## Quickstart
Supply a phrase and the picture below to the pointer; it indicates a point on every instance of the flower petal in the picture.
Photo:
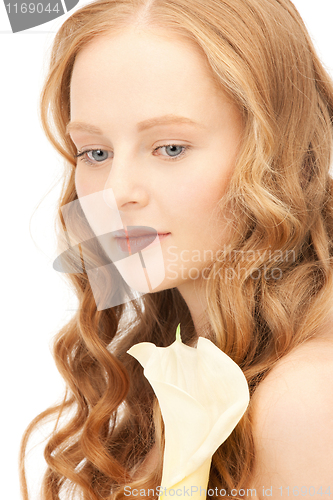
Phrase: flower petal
(143, 352)
(202, 394)
(186, 426)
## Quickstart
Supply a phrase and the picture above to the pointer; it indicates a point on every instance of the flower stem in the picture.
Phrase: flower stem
(178, 337)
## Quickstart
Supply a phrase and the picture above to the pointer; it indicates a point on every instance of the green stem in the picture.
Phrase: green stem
(178, 337)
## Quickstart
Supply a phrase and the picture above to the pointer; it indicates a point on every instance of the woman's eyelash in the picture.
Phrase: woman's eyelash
(185, 148)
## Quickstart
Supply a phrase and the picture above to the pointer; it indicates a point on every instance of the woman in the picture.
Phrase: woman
(239, 182)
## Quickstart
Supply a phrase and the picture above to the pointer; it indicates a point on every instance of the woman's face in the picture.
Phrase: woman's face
(166, 141)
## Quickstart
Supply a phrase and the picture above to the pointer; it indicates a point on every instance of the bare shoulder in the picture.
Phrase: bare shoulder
(293, 423)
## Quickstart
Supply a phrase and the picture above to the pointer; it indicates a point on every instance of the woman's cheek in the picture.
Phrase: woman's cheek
(84, 182)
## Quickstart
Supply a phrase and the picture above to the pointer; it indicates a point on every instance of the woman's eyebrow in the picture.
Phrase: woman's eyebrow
(167, 120)
(141, 126)
(85, 127)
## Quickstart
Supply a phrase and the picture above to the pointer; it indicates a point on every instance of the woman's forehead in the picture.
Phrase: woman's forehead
(137, 68)
(159, 46)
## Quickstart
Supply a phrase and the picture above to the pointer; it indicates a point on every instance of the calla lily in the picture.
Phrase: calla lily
(202, 394)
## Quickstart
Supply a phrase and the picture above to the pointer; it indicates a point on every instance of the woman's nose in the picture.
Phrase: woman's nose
(126, 181)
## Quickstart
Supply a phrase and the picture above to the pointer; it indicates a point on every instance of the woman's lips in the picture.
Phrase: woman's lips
(135, 244)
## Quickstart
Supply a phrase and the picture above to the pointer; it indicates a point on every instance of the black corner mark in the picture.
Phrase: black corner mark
(70, 4)
(24, 15)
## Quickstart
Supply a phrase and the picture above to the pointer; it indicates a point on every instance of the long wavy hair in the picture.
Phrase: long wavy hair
(280, 211)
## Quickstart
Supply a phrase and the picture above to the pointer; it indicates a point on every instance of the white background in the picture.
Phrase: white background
(35, 300)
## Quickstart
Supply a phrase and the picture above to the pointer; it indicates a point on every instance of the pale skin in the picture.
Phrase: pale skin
(119, 82)
(154, 78)
(293, 426)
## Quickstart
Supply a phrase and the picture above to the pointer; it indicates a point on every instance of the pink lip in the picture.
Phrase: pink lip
(133, 232)
(135, 244)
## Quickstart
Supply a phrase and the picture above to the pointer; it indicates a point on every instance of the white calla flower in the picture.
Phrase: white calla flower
(202, 395)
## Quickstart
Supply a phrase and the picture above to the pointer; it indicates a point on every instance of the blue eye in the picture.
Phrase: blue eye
(97, 154)
(94, 155)
(174, 151)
